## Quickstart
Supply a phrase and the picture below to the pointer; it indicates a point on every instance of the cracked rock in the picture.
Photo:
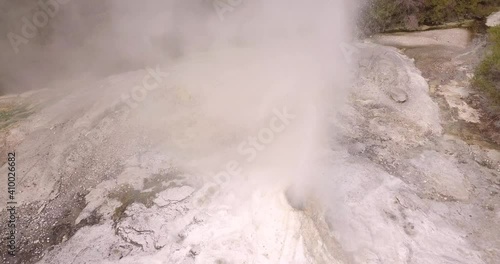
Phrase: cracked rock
(194, 251)
(173, 195)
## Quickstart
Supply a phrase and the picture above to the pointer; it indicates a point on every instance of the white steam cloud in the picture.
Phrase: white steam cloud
(239, 60)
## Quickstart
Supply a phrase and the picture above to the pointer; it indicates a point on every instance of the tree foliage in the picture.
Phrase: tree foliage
(381, 15)
(487, 76)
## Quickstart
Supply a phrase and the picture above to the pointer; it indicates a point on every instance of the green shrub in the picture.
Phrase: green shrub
(440, 11)
(487, 77)
(381, 15)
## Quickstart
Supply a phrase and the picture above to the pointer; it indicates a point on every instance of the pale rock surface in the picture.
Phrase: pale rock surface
(393, 188)
(493, 20)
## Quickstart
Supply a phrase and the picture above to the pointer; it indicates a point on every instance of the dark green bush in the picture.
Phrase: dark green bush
(487, 77)
(440, 11)
(382, 15)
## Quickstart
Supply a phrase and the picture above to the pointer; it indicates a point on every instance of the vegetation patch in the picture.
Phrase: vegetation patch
(487, 76)
(11, 113)
(388, 15)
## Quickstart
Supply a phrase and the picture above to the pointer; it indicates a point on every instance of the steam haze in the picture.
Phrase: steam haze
(239, 63)
(247, 131)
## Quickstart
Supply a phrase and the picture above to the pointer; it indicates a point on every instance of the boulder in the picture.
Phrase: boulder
(493, 20)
